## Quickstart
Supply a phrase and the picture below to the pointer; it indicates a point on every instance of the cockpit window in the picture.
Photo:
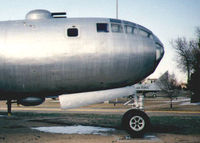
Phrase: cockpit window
(72, 32)
(144, 33)
(151, 36)
(102, 27)
(129, 29)
(117, 28)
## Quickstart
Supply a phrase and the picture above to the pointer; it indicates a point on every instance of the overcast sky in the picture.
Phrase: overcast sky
(168, 19)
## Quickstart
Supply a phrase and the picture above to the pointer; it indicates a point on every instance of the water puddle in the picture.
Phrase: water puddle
(151, 137)
(76, 130)
(89, 130)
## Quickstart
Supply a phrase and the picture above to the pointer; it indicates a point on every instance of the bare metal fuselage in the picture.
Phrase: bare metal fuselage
(37, 58)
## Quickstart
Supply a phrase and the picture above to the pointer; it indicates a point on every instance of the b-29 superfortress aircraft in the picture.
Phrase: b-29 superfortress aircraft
(81, 60)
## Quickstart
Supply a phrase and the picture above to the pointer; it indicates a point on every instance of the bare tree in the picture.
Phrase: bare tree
(187, 53)
(195, 76)
(198, 34)
(183, 49)
(168, 84)
(196, 52)
(188, 59)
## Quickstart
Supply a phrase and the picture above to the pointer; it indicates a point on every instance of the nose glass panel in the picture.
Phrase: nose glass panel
(159, 53)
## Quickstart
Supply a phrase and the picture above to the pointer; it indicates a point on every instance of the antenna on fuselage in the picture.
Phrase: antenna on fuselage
(116, 9)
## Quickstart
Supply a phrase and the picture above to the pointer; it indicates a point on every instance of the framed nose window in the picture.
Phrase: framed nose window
(72, 32)
(102, 27)
(117, 28)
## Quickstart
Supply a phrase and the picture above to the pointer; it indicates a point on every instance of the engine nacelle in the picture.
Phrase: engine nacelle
(31, 101)
(68, 101)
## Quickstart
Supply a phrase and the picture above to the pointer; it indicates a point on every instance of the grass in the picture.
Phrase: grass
(176, 124)
(160, 124)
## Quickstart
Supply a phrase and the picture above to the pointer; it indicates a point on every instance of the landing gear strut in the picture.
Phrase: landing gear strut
(9, 103)
(135, 122)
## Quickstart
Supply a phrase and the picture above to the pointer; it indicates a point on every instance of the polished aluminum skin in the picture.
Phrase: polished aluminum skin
(37, 58)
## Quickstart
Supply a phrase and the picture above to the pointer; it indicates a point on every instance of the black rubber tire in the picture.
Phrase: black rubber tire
(134, 113)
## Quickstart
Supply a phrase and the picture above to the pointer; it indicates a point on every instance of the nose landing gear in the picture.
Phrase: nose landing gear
(135, 122)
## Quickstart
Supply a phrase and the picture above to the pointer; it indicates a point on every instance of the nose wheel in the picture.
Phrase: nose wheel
(136, 122)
